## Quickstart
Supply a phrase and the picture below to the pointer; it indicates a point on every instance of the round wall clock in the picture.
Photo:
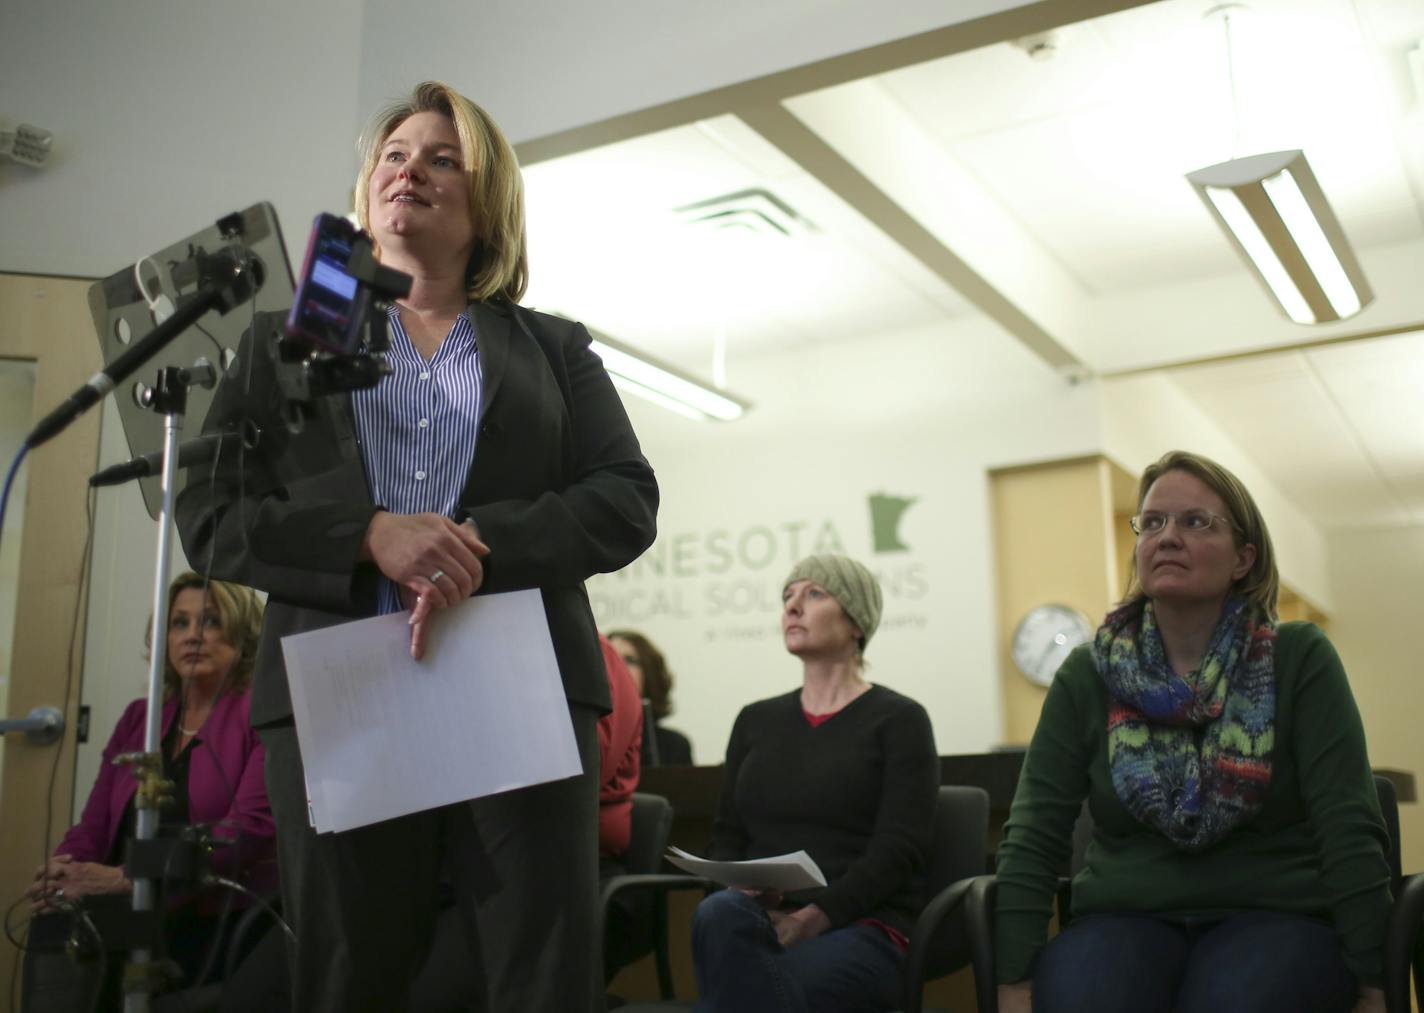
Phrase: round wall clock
(1045, 636)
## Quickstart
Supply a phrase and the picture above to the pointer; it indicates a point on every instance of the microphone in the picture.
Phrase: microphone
(229, 278)
(199, 450)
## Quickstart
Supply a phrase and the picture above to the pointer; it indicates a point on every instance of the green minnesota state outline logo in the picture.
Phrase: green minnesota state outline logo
(886, 512)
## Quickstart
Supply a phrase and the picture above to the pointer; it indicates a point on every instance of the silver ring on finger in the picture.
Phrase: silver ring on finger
(435, 577)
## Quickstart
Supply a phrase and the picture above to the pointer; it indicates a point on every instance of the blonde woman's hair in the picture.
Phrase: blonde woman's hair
(1261, 584)
(239, 617)
(499, 263)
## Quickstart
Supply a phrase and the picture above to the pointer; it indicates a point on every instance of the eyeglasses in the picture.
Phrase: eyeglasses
(1191, 522)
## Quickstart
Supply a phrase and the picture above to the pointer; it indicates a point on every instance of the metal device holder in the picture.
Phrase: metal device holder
(307, 373)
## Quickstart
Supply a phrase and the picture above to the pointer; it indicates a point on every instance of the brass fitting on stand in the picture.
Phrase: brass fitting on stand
(154, 791)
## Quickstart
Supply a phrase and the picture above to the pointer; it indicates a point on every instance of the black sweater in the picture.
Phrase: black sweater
(857, 793)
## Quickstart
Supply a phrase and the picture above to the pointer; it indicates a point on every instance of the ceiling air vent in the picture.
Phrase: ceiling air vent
(757, 211)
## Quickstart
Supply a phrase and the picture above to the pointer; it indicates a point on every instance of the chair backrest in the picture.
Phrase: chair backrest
(652, 822)
(959, 839)
(651, 755)
(958, 850)
(1389, 808)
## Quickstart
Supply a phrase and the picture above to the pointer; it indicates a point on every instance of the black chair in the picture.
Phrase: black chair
(957, 847)
(651, 756)
(959, 842)
(652, 821)
(642, 913)
(1404, 942)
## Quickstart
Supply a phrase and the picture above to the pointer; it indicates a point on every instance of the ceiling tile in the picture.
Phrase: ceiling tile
(606, 245)
(1379, 385)
(1089, 149)
(1277, 411)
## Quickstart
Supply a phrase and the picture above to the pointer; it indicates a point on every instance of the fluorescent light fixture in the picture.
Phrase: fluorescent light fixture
(638, 373)
(1304, 226)
(1275, 212)
(656, 397)
(1260, 254)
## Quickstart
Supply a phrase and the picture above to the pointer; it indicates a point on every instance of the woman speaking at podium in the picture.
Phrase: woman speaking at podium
(496, 456)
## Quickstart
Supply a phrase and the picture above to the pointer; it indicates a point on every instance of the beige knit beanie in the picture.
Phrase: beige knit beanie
(850, 583)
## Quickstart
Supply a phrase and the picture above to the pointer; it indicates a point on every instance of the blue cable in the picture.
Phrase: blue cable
(10, 481)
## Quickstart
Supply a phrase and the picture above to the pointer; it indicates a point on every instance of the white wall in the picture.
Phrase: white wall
(1378, 578)
(169, 114)
(923, 415)
(541, 66)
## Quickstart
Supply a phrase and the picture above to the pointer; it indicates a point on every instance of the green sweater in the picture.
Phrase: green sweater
(1316, 847)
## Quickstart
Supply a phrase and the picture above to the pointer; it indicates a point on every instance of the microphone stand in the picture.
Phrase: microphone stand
(227, 278)
(168, 397)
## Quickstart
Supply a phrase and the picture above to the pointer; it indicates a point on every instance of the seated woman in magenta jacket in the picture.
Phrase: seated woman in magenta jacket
(210, 753)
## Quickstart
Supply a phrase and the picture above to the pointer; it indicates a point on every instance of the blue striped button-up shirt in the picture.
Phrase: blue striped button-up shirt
(417, 428)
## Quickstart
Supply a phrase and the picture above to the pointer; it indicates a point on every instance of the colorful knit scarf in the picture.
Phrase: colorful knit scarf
(1190, 755)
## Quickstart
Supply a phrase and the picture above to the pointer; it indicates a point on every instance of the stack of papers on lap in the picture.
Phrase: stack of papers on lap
(787, 873)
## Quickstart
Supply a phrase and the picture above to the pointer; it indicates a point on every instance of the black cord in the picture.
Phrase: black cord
(103, 970)
(216, 344)
(211, 958)
(80, 594)
(19, 944)
(15, 979)
(81, 916)
(20, 948)
(261, 902)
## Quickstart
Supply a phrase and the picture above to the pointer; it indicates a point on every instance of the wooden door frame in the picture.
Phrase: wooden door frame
(46, 321)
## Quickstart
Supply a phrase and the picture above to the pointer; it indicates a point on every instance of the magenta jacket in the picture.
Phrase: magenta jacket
(225, 790)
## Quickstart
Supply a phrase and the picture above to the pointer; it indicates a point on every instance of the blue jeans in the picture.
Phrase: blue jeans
(741, 968)
(1256, 962)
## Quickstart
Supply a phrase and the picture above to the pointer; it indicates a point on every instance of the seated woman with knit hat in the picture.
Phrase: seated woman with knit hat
(1238, 853)
(845, 770)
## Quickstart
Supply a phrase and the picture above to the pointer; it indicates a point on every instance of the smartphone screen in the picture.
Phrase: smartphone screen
(330, 306)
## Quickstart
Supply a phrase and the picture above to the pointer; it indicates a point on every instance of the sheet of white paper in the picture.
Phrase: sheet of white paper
(383, 735)
(796, 871)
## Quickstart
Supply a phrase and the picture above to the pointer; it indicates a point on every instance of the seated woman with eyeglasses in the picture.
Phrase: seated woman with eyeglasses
(1238, 853)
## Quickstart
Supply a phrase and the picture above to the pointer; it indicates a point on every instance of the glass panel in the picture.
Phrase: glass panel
(17, 397)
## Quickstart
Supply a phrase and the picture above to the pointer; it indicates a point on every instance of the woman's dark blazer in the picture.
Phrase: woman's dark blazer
(559, 490)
